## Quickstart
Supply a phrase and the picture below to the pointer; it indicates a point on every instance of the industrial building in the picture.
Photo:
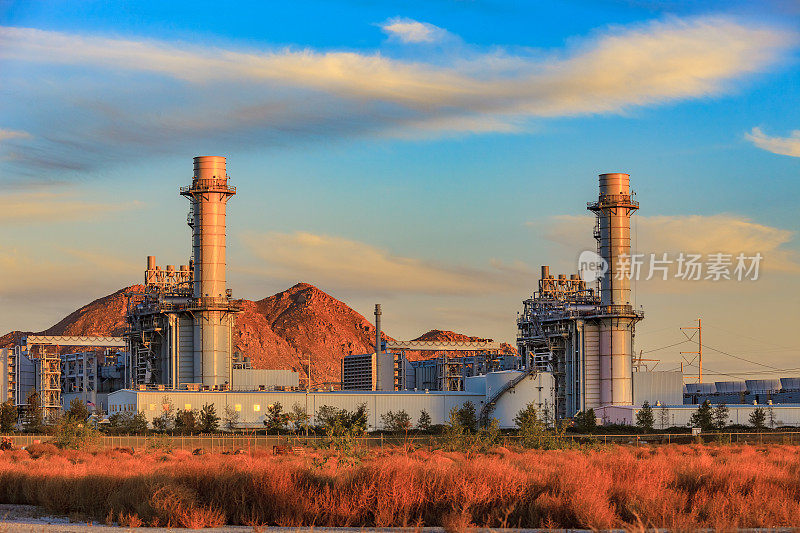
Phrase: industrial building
(252, 406)
(180, 327)
(583, 336)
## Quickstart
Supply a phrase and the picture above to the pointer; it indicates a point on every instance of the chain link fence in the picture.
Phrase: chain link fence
(224, 442)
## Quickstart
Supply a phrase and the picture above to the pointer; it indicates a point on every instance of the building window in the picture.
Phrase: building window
(256, 407)
(187, 406)
(152, 407)
(237, 408)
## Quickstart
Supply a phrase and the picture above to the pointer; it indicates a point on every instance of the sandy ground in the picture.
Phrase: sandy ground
(29, 518)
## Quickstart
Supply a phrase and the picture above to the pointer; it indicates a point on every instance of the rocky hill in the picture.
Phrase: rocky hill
(439, 335)
(297, 324)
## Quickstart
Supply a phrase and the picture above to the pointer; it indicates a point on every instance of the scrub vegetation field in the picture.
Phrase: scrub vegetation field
(677, 487)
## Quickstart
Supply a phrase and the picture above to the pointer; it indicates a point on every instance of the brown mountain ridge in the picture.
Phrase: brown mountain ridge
(301, 322)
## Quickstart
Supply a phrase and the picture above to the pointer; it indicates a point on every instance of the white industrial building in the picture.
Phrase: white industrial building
(680, 415)
(252, 406)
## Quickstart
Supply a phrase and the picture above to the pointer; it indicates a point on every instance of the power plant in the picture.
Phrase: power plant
(582, 335)
(575, 344)
(180, 328)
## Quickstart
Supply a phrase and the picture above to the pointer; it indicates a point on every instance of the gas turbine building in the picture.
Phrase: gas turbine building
(180, 327)
(584, 335)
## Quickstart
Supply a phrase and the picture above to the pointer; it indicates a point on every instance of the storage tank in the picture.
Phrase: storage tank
(497, 380)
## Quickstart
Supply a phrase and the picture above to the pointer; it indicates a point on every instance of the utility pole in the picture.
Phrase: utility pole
(698, 355)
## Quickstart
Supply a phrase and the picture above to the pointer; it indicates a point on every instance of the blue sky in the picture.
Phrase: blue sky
(428, 155)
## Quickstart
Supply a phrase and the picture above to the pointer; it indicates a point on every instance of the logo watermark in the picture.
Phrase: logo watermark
(684, 266)
(591, 266)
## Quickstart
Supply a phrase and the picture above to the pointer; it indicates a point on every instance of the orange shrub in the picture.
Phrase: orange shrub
(675, 487)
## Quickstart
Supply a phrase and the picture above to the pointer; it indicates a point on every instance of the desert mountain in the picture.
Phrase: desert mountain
(297, 324)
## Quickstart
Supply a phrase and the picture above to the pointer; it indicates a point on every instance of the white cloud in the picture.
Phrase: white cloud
(410, 31)
(13, 134)
(653, 63)
(343, 264)
(274, 96)
(777, 145)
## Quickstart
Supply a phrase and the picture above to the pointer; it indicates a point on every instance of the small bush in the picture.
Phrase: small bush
(38, 450)
(74, 434)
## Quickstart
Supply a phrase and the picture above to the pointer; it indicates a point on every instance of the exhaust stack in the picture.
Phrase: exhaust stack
(209, 194)
(613, 209)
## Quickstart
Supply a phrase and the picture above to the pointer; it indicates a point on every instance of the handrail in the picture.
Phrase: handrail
(489, 405)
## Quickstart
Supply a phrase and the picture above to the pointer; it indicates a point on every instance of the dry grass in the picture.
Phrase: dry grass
(677, 487)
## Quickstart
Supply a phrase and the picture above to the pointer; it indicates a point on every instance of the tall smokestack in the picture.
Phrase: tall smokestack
(378, 381)
(613, 209)
(209, 194)
(378, 329)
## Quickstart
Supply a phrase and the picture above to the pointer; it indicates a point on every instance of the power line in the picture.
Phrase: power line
(665, 347)
(796, 348)
(742, 358)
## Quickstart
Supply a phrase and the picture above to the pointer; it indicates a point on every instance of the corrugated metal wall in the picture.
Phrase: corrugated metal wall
(186, 349)
(654, 387)
(252, 406)
(251, 380)
(591, 376)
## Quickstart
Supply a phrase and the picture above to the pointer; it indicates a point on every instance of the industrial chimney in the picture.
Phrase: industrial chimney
(209, 194)
(613, 209)
(377, 385)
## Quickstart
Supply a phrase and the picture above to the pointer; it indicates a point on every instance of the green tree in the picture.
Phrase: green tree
(703, 418)
(758, 418)
(467, 417)
(8, 417)
(299, 418)
(645, 418)
(230, 419)
(396, 422)
(34, 414)
(208, 420)
(276, 420)
(533, 431)
(663, 417)
(720, 416)
(127, 423)
(586, 421)
(74, 434)
(77, 411)
(771, 416)
(186, 422)
(166, 421)
(341, 422)
(424, 422)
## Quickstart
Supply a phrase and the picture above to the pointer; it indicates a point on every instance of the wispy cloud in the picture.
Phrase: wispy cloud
(46, 207)
(709, 234)
(354, 266)
(168, 96)
(411, 31)
(13, 134)
(777, 145)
